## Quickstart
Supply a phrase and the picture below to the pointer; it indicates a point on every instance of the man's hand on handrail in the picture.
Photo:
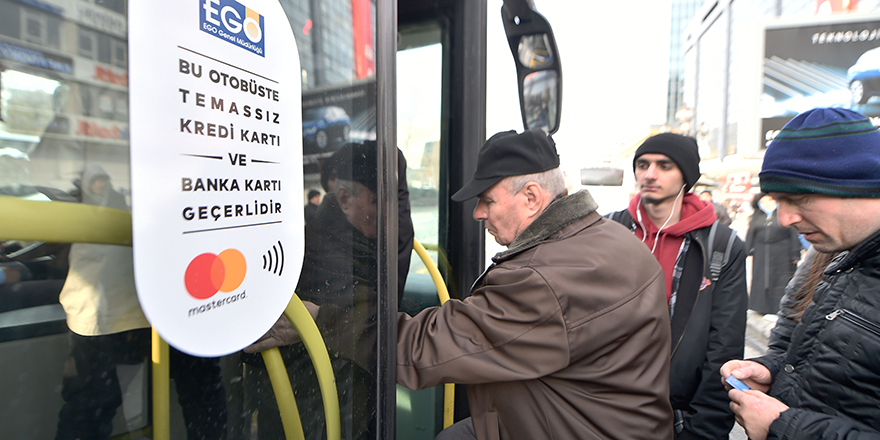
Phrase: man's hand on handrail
(281, 333)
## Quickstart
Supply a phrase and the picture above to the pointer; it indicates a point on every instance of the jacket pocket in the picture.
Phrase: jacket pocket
(846, 367)
(848, 354)
(855, 320)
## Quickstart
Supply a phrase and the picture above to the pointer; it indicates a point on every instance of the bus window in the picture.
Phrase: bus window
(336, 44)
(69, 309)
(419, 69)
(419, 91)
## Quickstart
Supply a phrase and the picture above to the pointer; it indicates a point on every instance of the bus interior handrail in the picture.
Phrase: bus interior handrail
(443, 294)
(67, 222)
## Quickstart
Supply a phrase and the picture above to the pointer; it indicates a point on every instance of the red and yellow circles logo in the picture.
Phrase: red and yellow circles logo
(208, 273)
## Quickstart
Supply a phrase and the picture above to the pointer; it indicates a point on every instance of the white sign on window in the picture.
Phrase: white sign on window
(216, 169)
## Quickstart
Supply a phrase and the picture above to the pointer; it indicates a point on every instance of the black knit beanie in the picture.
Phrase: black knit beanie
(682, 150)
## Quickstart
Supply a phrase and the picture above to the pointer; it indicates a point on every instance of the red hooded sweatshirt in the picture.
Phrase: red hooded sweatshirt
(695, 214)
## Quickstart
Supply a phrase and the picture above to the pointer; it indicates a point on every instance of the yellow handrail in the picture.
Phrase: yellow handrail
(443, 294)
(303, 323)
(293, 429)
(161, 392)
(64, 222)
(442, 261)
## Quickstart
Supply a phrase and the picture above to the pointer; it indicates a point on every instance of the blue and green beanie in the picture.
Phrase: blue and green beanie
(832, 151)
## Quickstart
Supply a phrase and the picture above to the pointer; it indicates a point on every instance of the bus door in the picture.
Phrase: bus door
(74, 344)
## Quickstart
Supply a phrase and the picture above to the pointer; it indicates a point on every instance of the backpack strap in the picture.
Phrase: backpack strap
(718, 250)
(623, 217)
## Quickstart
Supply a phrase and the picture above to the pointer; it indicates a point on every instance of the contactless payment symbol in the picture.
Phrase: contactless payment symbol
(274, 265)
(208, 274)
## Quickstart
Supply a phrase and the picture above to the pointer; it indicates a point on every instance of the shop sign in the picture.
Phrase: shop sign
(89, 128)
(738, 183)
(102, 18)
(31, 57)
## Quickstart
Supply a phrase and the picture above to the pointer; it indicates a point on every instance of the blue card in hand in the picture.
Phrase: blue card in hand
(736, 383)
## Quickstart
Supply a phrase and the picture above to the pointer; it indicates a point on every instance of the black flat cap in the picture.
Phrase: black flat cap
(510, 154)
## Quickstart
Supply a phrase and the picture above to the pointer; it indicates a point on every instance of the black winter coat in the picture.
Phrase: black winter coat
(708, 329)
(775, 251)
(827, 368)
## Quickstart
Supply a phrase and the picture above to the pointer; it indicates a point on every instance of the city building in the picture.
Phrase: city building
(751, 65)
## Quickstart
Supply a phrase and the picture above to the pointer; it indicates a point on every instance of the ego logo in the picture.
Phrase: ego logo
(231, 21)
(208, 273)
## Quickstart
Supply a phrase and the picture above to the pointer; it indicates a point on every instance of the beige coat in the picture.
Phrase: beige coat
(566, 336)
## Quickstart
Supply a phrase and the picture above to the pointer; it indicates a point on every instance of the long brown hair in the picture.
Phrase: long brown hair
(804, 294)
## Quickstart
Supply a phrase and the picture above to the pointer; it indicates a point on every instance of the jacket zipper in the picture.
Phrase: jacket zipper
(854, 319)
(797, 335)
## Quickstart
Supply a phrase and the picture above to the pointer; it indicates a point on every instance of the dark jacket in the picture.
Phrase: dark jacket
(561, 338)
(827, 368)
(775, 251)
(311, 210)
(340, 274)
(722, 214)
(708, 329)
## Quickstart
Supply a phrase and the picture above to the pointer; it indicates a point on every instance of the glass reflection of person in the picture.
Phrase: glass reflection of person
(108, 328)
(311, 208)
(339, 274)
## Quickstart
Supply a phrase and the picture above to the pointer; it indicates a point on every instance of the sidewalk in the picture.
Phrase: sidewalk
(757, 333)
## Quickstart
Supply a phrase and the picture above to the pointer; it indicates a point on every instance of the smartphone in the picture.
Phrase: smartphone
(736, 383)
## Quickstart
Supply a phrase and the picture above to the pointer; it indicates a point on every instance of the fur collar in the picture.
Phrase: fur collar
(559, 214)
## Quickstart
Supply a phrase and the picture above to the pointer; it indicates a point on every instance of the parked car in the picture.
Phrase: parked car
(864, 76)
(322, 124)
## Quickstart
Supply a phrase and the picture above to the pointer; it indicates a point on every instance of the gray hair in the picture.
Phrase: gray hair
(552, 181)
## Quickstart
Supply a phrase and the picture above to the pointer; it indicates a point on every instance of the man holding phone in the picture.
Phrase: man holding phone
(823, 169)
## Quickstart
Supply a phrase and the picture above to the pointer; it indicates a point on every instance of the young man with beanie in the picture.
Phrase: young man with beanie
(823, 169)
(705, 277)
(559, 338)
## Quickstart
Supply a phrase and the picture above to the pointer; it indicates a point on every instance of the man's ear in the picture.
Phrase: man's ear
(343, 196)
(534, 196)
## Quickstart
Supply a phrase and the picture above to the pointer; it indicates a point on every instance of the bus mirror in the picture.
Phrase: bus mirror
(534, 51)
(539, 98)
(604, 176)
(539, 75)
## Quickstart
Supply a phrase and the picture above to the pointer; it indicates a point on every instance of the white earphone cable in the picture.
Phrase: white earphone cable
(671, 213)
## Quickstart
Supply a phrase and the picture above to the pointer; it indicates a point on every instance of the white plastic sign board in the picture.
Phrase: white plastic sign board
(216, 169)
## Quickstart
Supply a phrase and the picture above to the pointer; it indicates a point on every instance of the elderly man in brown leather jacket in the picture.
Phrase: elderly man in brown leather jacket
(566, 334)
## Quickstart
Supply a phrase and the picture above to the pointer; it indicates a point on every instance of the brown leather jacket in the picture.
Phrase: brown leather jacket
(565, 336)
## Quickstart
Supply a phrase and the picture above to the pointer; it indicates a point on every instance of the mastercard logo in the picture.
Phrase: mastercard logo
(208, 274)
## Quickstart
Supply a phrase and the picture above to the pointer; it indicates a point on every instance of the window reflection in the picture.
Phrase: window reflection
(63, 122)
(339, 271)
(419, 86)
